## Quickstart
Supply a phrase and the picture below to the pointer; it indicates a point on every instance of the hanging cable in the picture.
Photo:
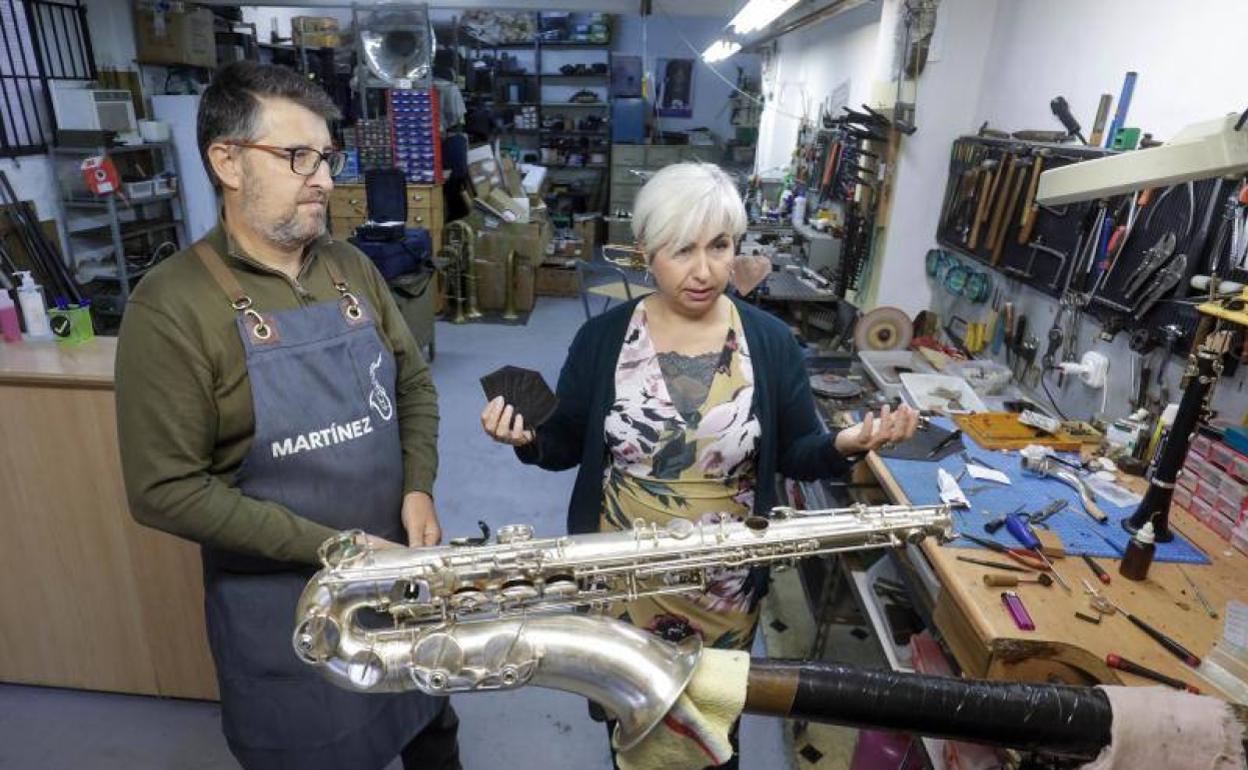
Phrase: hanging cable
(1044, 384)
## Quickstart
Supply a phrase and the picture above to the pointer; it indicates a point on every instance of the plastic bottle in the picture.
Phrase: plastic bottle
(10, 328)
(1139, 555)
(30, 297)
(799, 210)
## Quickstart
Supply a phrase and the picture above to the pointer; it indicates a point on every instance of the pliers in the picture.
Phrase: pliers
(1022, 556)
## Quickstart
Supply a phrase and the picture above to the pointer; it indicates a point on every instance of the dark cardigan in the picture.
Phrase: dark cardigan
(793, 441)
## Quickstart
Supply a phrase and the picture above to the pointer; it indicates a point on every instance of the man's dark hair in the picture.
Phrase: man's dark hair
(230, 107)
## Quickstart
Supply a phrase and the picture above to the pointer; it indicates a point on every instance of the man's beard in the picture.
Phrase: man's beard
(294, 228)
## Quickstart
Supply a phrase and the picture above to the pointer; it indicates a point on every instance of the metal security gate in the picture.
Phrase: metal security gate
(40, 41)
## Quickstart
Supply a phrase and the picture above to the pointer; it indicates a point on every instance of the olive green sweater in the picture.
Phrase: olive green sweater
(184, 410)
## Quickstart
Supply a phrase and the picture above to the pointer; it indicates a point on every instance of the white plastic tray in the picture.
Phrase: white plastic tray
(918, 392)
(881, 367)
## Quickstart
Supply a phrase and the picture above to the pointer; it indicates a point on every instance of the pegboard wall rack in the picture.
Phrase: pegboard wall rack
(993, 179)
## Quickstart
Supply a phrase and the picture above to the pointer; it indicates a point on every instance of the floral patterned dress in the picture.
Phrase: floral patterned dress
(683, 438)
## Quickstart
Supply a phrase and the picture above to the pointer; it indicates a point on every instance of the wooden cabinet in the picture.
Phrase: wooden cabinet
(88, 598)
(348, 209)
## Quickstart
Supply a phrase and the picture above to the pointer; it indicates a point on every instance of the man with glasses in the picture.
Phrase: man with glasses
(269, 396)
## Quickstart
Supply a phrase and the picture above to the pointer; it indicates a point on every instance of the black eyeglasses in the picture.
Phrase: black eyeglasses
(304, 161)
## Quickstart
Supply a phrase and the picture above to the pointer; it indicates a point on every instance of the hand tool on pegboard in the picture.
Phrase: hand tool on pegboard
(1061, 109)
(1124, 105)
(1153, 259)
(1098, 125)
(1000, 198)
(1016, 190)
(988, 185)
(1030, 209)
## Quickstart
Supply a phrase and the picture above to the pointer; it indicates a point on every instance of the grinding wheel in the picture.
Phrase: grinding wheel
(834, 386)
(884, 328)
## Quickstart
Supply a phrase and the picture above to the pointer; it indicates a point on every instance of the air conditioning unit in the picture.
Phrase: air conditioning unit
(94, 109)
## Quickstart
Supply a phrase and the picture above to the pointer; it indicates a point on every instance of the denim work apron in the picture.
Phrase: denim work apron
(327, 447)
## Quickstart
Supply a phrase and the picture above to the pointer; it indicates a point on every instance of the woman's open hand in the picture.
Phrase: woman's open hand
(497, 420)
(870, 434)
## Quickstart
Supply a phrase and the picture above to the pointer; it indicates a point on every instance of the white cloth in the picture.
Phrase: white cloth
(1156, 728)
(694, 733)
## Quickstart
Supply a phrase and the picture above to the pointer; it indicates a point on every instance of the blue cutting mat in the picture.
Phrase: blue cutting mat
(917, 478)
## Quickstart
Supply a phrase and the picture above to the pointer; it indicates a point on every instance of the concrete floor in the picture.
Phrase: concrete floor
(53, 729)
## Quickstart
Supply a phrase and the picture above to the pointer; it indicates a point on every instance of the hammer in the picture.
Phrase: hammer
(995, 580)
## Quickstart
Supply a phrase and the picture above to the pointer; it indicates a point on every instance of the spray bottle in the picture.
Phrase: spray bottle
(30, 296)
(10, 329)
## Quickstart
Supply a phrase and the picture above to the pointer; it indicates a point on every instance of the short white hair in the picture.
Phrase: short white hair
(684, 202)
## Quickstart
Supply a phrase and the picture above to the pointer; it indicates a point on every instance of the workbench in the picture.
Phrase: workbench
(977, 630)
(88, 598)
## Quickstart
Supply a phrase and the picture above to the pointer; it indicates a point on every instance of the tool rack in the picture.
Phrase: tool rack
(1060, 228)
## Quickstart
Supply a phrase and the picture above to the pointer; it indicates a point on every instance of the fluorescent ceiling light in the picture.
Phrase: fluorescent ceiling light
(720, 50)
(758, 14)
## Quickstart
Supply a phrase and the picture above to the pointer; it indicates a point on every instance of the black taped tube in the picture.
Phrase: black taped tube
(1060, 720)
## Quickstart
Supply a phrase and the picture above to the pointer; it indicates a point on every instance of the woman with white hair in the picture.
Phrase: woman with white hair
(686, 404)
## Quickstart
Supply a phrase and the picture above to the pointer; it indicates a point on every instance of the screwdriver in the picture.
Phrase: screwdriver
(1017, 526)
(1173, 647)
(993, 564)
(1101, 574)
(1010, 581)
(1122, 664)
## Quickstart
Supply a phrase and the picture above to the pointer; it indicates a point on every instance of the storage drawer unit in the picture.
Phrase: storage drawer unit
(626, 158)
(348, 209)
(660, 155)
(700, 154)
(628, 155)
(624, 195)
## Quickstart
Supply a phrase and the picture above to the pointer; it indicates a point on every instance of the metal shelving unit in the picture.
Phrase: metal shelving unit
(538, 79)
(117, 231)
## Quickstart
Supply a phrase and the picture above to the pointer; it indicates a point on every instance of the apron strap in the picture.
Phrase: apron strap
(243, 304)
(222, 275)
(351, 307)
(260, 329)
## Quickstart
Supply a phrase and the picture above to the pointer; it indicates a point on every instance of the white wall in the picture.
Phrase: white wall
(1187, 56)
(810, 65)
(949, 90)
(685, 37)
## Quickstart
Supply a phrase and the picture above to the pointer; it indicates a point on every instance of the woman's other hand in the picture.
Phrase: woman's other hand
(497, 421)
(870, 434)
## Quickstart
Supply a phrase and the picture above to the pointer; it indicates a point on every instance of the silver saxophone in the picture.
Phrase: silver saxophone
(459, 618)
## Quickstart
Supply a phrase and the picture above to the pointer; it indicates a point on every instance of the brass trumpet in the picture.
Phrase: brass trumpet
(458, 260)
(624, 255)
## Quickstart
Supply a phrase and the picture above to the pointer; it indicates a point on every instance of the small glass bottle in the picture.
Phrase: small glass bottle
(1139, 555)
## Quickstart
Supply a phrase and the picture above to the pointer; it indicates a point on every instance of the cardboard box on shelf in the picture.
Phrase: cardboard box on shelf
(529, 241)
(174, 37)
(315, 31)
